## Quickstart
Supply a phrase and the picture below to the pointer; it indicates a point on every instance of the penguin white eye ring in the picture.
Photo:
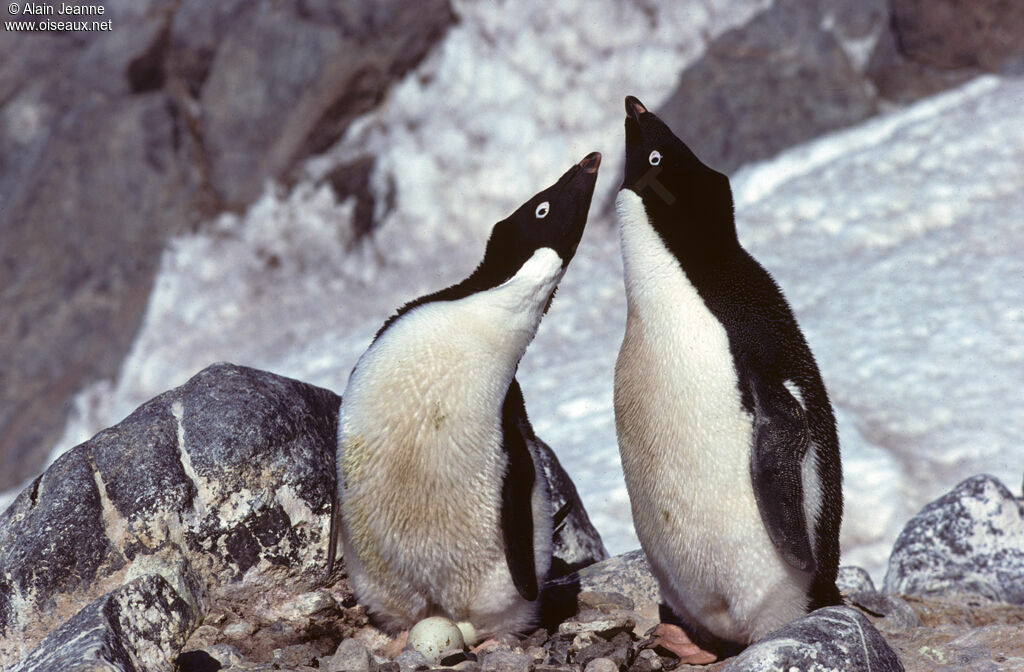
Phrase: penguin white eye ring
(655, 158)
(542, 210)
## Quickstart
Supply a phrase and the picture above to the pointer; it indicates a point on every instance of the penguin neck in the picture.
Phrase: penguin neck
(450, 363)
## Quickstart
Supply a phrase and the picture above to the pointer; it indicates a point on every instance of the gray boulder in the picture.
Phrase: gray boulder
(112, 142)
(791, 73)
(833, 639)
(222, 485)
(139, 627)
(970, 540)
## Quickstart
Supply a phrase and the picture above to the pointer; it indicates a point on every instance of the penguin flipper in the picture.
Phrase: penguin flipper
(781, 439)
(516, 496)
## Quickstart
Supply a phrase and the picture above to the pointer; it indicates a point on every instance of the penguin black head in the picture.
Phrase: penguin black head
(554, 218)
(687, 202)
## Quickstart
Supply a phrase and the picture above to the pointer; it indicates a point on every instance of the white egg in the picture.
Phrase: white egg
(435, 635)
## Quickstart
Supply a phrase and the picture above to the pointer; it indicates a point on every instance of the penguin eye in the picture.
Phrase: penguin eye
(542, 210)
(655, 158)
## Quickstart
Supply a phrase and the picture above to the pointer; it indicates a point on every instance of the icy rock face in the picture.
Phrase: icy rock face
(970, 540)
(833, 639)
(136, 628)
(183, 109)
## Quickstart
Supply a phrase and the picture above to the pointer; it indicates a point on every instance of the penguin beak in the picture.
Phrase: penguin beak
(634, 108)
(590, 163)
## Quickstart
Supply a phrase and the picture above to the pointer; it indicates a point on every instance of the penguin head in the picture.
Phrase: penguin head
(554, 218)
(686, 201)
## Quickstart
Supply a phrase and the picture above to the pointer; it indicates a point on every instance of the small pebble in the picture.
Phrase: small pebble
(601, 665)
(239, 630)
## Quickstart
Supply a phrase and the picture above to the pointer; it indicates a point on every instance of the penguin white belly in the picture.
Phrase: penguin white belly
(685, 441)
(422, 466)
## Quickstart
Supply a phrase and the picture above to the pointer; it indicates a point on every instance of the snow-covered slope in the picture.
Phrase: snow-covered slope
(899, 244)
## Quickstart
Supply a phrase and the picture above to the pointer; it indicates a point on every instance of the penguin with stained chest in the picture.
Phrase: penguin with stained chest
(726, 433)
(444, 509)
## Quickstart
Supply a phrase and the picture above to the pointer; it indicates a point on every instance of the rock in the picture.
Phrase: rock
(791, 73)
(826, 640)
(112, 145)
(605, 602)
(577, 542)
(411, 660)
(969, 540)
(605, 624)
(351, 656)
(627, 575)
(646, 661)
(139, 627)
(506, 661)
(949, 34)
(854, 580)
(223, 486)
(896, 615)
(960, 633)
(601, 665)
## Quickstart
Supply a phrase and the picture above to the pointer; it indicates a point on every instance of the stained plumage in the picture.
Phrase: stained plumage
(444, 507)
(726, 433)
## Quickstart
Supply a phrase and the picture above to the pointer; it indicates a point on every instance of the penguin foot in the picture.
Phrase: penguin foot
(674, 639)
(395, 646)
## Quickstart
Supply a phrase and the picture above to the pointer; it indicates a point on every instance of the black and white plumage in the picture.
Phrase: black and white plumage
(444, 507)
(726, 433)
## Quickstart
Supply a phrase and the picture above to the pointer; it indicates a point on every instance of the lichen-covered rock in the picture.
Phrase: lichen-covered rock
(833, 639)
(577, 542)
(627, 575)
(969, 540)
(139, 627)
(223, 482)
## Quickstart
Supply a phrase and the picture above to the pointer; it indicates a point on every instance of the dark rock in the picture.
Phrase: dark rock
(784, 77)
(618, 650)
(140, 626)
(950, 34)
(114, 142)
(854, 580)
(506, 661)
(830, 639)
(411, 660)
(646, 661)
(969, 540)
(577, 542)
(351, 656)
(894, 612)
(221, 485)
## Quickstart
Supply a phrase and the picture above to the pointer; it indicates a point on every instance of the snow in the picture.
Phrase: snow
(898, 242)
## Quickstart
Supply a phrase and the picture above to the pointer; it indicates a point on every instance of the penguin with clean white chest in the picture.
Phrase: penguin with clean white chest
(726, 433)
(444, 510)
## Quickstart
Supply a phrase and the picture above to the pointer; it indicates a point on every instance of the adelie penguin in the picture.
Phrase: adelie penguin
(444, 509)
(726, 433)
